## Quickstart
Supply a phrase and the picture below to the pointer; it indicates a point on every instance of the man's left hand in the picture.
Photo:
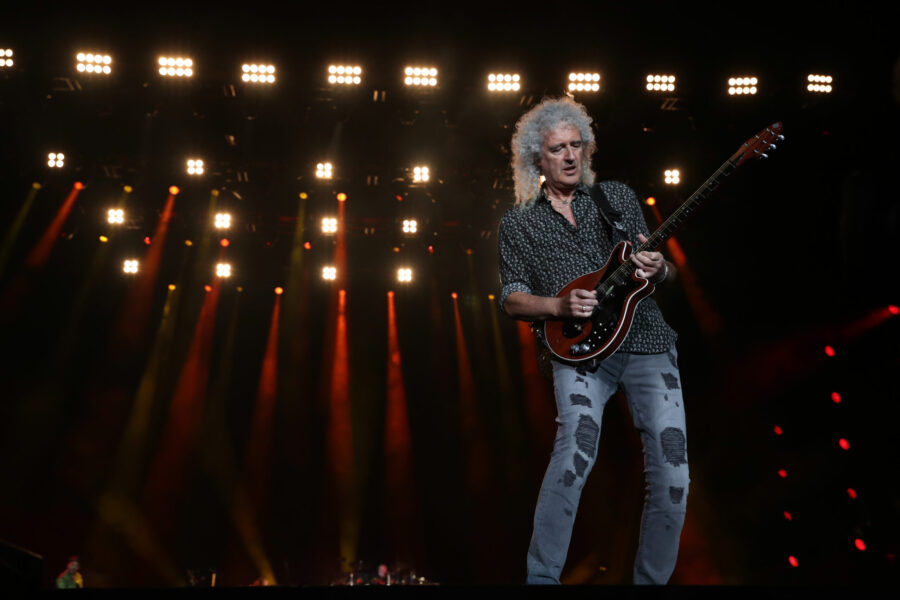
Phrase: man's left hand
(649, 263)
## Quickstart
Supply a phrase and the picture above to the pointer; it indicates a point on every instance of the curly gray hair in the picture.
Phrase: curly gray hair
(528, 140)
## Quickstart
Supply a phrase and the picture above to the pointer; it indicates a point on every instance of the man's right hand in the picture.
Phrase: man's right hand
(577, 304)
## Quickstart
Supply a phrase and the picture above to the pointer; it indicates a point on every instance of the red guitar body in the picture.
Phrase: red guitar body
(600, 335)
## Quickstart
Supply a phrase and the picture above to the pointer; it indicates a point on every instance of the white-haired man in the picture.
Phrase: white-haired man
(555, 233)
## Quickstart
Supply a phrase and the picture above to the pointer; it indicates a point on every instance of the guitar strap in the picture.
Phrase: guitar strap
(608, 214)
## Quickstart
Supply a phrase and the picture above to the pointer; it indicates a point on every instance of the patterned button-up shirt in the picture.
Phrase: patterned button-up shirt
(541, 252)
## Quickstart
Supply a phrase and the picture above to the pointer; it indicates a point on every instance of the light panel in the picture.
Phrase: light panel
(504, 82)
(329, 273)
(660, 83)
(410, 226)
(223, 270)
(223, 221)
(421, 174)
(255, 73)
(584, 82)
(93, 63)
(115, 216)
(175, 66)
(742, 86)
(130, 266)
(324, 170)
(344, 74)
(819, 84)
(329, 225)
(195, 166)
(672, 176)
(421, 76)
(6, 58)
(404, 275)
(56, 160)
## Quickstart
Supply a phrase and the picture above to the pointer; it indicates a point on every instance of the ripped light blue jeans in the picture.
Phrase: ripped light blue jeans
(652, 386)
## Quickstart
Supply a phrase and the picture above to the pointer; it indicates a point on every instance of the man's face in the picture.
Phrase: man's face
(561, 157)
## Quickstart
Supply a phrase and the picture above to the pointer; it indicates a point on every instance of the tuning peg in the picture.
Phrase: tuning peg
(772, 146)
(764, 156)
(780, 138)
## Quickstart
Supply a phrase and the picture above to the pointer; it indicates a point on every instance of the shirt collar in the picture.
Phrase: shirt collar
(580, 192)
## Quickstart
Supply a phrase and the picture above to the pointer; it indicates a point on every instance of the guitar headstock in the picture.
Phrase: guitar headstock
(758, 145)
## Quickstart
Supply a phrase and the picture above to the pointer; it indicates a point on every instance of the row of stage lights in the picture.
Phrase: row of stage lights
(417, 76)
(223, 270)
(420, 174)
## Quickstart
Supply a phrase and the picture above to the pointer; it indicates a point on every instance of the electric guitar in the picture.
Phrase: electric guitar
(619, 288)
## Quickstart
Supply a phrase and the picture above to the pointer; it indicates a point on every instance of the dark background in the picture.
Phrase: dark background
(789, 255)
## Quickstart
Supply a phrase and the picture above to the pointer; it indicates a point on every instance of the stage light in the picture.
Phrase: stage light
(504, 82)
(793, 561)
(860, 545)
(174, 190)
(778, 430)
(345, 74)
(454, 295)
(894, 309)
(307, 246)
(341, 197)
(584, 82)
(421, 174)
(115, 216)
(175, 66)
(258, 73)
(279, 290)
(223, 270)
(207, 287)
(829, 351)
(223, 220)
(844, 444)
(104, 239)
(171, 287)
(224, 242)
(6, 60)
(782, 473)
(195, 166)
(329, 225)
(88, 62)
(404, 275)
(672, 176)
(650, 201)
(56, 160)
(324, 170)
(329, 273)
(130, 266)
(787, 516)
(835, 397)
(742, 86)
(852, 493)
(421, 76)
(660, 83)
(410, 226)
(819, 84)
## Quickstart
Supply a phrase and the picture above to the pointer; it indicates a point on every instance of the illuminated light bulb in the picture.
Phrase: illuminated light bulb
(171, 287)
(894, 310)
(852, 493)
(454, 295)
(829, 351)
(342, 197)
(788, 516)
(778, 430)
(844, 444)
(651, 201)
(224, 242)
(860, 545)
(104, 239)
(207, 287)
(279, 290)
(793, 561)
(782, 473)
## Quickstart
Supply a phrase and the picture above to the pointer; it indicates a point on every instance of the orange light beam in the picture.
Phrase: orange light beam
(183, 422)
(340, 435)
(539, 403)
(400, 480)
(477, 455)
(707, 316)
(257, 462)
(39, 255)
(133, 318)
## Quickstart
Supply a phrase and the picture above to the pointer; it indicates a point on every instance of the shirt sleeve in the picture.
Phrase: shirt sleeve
(514, 276)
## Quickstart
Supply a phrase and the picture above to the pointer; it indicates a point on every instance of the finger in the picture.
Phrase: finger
(641, 238)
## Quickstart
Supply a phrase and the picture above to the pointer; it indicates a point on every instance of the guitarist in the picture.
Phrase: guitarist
(556, 232)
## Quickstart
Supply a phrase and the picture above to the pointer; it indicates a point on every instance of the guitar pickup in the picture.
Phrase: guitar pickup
(580, 349)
